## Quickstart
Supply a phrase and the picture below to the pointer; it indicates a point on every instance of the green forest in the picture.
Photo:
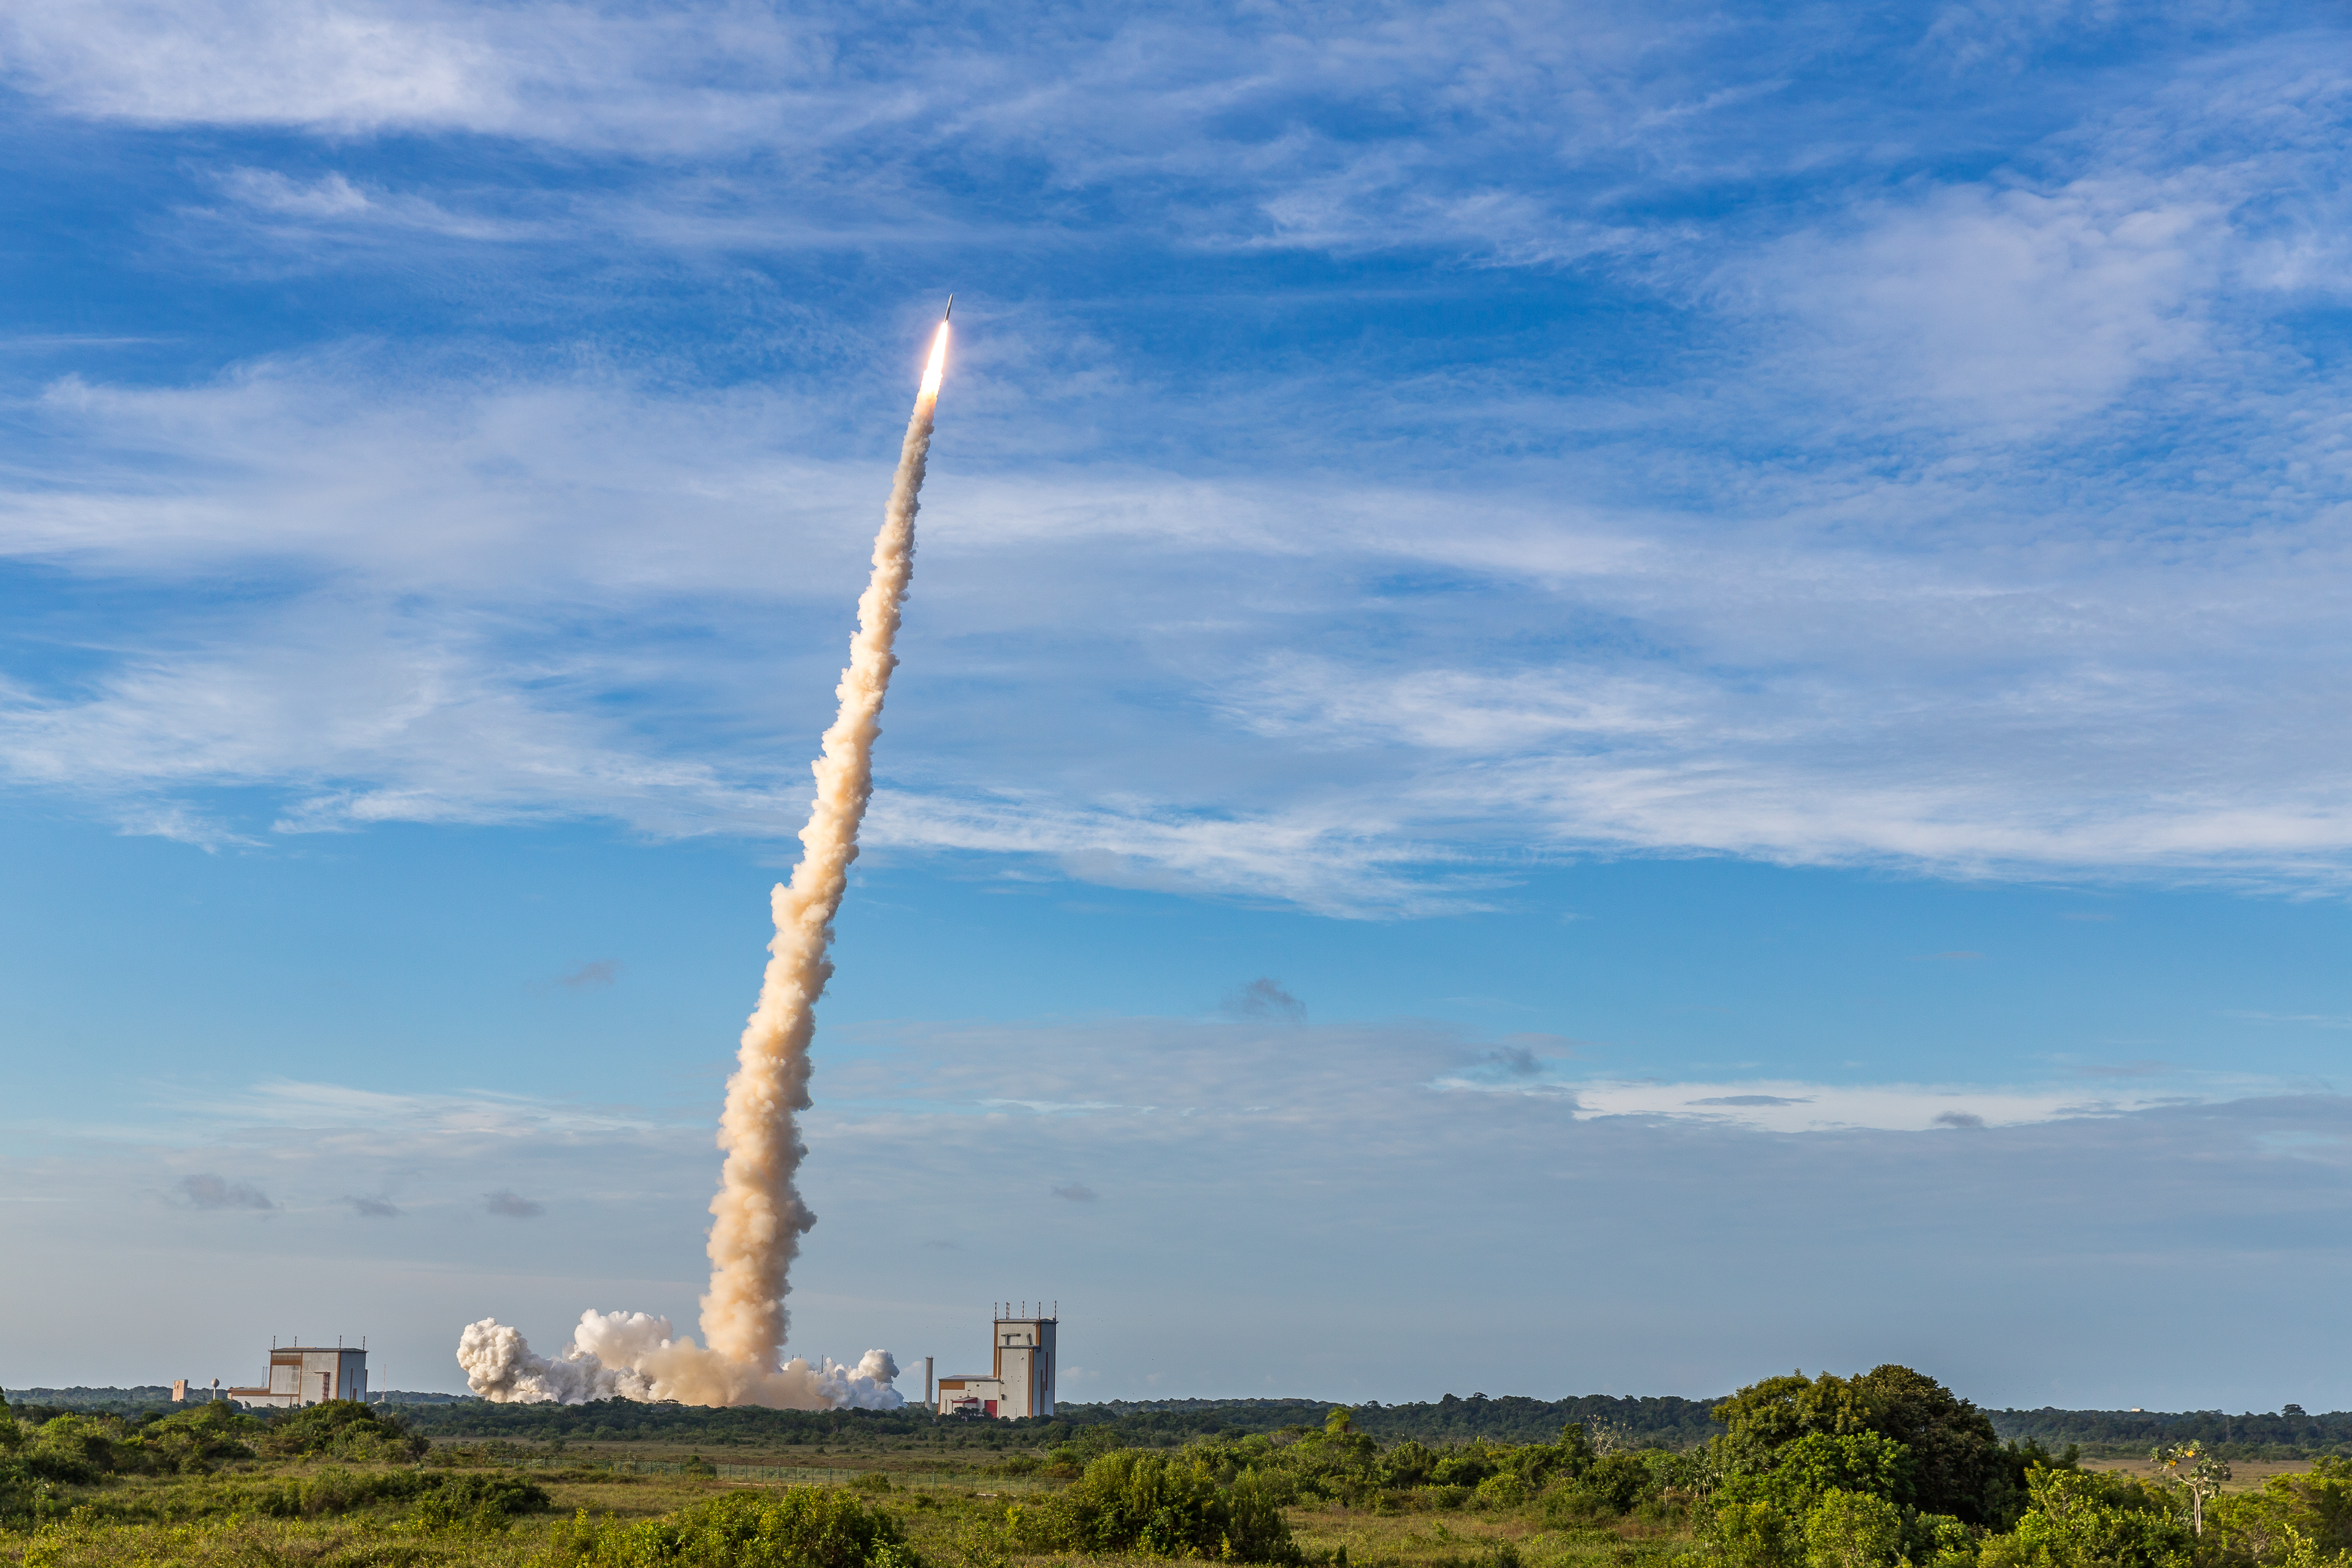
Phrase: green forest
(1657, 1421)
(1883, 1469)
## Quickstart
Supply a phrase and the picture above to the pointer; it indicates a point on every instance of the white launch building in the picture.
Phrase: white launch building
(1020, 1383)
(306, 1374)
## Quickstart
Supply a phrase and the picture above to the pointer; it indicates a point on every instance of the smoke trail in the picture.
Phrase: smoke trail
(758, 1216)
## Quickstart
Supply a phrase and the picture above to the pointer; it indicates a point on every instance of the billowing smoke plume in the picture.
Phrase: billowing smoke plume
(758, 1216)
(629, 1355)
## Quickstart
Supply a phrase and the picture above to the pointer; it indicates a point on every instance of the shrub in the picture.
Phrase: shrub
(1852, 1530)
(1163, 1506)
(1752, 1535)
(507, 1495)
(2082, 1521)
(193, 1442)
(1408, 1464)
(78, 1450)
(342, 1429)
(337, 1491)
(1938, 1540)
(801, 1527)
(1817, 1465)
(1612, 1486)
(1503, 1491)
(1464, 1468)
(21, 1495)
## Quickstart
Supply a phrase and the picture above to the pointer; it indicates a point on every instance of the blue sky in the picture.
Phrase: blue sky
(1599, 698)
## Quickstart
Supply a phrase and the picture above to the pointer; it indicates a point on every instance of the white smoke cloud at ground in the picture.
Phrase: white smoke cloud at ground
(632, 1355)
(759, 1217)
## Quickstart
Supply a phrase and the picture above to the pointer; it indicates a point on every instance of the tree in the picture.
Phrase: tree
(1956, 1466)
(2082, 1521)
(1860, 1464)
(2195, 1473)
(1780, 1410)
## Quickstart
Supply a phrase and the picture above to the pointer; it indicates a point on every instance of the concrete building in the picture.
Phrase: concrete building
(308, 1375)
(1021, 1382)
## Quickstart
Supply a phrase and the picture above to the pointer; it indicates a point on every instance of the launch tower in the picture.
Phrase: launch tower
(1022, 1379)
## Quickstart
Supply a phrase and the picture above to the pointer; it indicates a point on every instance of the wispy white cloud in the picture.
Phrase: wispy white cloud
(1985, 521)
(1800, 1106)
(467, 577)
(2012, 307)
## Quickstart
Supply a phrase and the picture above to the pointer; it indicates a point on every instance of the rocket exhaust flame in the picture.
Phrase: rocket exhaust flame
(758, 1217)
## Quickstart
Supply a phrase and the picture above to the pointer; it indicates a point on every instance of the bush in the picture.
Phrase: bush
(506, 1495)
(1938, 1540)
(2082, 1521)
(1612, 1486)
(801, 1527)
(78, 1450)
(342, 1429)
(21, 1495)
(193, 1442)
(1852, 1530)
(1163, 1506)
(1466, 1468)
(1816, 1465)
(338, 1491)
(1752, 1535)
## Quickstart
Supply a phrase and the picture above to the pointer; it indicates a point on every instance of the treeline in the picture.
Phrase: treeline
(2292, 1435)
(623, 1420)
(1658, 1421)
(112, 1401)
(1643, 1423)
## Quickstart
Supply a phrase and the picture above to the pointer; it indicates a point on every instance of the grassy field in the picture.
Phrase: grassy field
(2245, 1475)
(347, 1495)
(954, 1519)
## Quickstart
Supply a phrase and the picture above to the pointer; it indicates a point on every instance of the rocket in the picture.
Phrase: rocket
(950, 310)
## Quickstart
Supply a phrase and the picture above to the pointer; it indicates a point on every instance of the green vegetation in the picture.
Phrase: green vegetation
(1133, 1502)
(805, 1528)
(1659, 1423)
(1663, 1422)
(1884, 1470)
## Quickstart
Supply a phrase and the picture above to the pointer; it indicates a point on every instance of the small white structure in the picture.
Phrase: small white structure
(308, 1375)
(1021, 1381)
